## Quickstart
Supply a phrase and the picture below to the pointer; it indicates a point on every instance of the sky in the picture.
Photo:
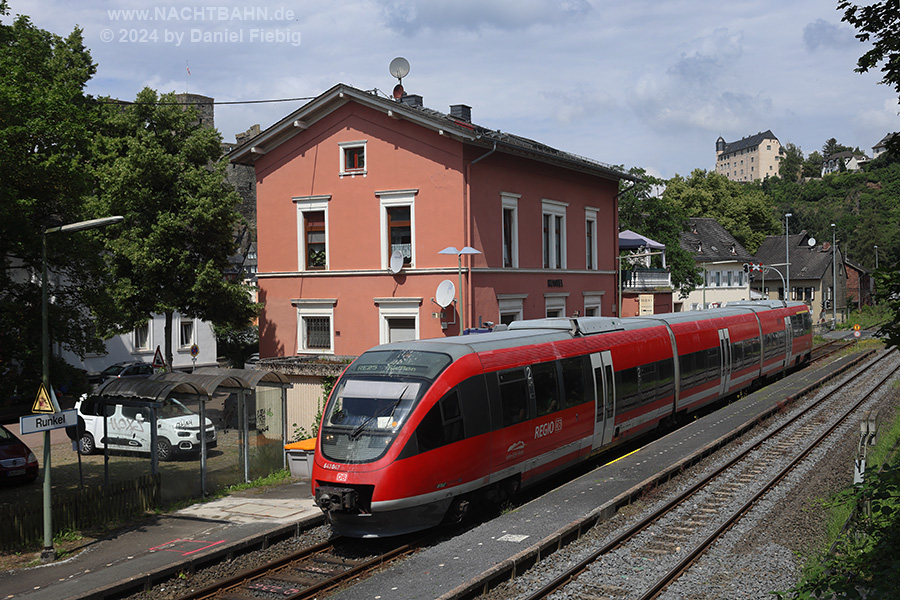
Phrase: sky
(639, 83)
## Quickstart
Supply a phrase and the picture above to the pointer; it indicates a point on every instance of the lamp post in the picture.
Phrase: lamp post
(833, 281)
(787, 260)
(48, 553)
(876, 257)
(459, 255)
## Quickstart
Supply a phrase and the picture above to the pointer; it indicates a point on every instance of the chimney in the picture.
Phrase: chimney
(461, 112)
(412, 100)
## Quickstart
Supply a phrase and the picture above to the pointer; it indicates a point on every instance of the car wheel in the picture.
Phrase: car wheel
(87, 444)
(164, 449)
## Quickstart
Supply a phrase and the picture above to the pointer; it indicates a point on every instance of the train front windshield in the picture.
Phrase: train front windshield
(373, 400)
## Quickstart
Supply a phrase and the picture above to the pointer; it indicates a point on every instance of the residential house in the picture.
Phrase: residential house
(846, 160)
(750, 158)
(881, 147)
(860, 285)
(643, 288)
(814, 269)
(721, 258)
(382, 220)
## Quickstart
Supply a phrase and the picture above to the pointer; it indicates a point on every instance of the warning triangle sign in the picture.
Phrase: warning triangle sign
(158, 361)
(42, 403)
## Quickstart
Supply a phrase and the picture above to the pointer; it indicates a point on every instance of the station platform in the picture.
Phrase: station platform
(512, 541)
(164, 546)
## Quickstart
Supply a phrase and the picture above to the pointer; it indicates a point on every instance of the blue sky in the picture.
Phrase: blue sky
(639, 83)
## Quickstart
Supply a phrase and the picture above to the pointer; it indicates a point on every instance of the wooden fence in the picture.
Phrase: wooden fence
(22, 527)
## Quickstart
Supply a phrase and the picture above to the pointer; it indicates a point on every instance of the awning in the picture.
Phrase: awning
(629, 240)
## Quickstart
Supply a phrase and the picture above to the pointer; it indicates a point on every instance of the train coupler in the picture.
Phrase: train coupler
(336, 498)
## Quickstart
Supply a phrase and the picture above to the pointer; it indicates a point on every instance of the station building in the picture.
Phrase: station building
(380, 220)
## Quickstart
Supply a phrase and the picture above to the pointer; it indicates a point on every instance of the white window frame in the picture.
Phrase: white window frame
(511, 304)
(510, 201)
(554, 209)
(134, 337)
(402, 308)
(593, 300)
(590, 217)
(193, 323)
(313, 308)
(392, 199)
(344, 146)
(555, 301)
(306, 204)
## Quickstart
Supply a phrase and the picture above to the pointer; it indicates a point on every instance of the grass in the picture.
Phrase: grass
(840, 512)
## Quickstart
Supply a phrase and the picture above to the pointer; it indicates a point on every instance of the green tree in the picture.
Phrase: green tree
(812, 166)
(745, 211)
(792, 163)
(157, 165)
(46, 124)
(643, 210)
(831, 146)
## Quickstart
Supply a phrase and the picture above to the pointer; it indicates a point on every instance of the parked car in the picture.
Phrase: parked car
(135, 369)
(17, 461)
(128, 428)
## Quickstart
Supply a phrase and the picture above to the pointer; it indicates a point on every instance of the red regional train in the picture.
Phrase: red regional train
(414, 431)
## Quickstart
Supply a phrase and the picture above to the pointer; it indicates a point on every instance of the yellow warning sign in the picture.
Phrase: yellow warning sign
(42, 403)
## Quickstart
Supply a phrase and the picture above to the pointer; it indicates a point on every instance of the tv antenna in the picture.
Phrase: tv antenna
(399, 68)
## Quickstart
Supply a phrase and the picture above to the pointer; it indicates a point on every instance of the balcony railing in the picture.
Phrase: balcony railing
(646, 279)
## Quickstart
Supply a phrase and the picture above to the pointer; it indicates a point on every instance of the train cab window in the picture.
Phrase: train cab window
(514, 394)
(546, 388)
(442, 425)
(453, 418)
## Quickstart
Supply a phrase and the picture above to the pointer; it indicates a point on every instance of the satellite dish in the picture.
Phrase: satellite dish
(399, 67)
(396, 262)
(811, 242)
(398, 91)
(445, 293)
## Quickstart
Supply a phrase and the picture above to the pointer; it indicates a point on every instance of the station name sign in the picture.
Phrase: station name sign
(35, 423)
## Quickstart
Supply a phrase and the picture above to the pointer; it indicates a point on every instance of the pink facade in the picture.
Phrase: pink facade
(351, 178)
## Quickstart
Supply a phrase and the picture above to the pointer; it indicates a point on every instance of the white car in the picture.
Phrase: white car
(128, 428)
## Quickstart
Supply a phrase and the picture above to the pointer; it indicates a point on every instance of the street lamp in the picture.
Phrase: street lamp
(459, 255)
(787, 260)
(48, 553)
(876, 257)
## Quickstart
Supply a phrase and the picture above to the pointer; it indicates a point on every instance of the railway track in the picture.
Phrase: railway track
(675, 535)
(823, 351)
(305, 574)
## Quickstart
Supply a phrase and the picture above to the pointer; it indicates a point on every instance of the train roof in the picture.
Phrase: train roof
(540, 331)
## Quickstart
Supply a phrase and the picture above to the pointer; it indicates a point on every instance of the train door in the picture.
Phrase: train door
(605, 392)
(788, 341)
(724, 361)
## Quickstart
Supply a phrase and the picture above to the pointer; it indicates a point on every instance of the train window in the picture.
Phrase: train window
(666, 382)
(647, 381)
(737, 354)
(546, 388)
(686, 368)
(442, 425)
(475, 405)
(712, 363)
(430, 432)
(514, 395)
(627, 390)
(453, 419)
(573, 381)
